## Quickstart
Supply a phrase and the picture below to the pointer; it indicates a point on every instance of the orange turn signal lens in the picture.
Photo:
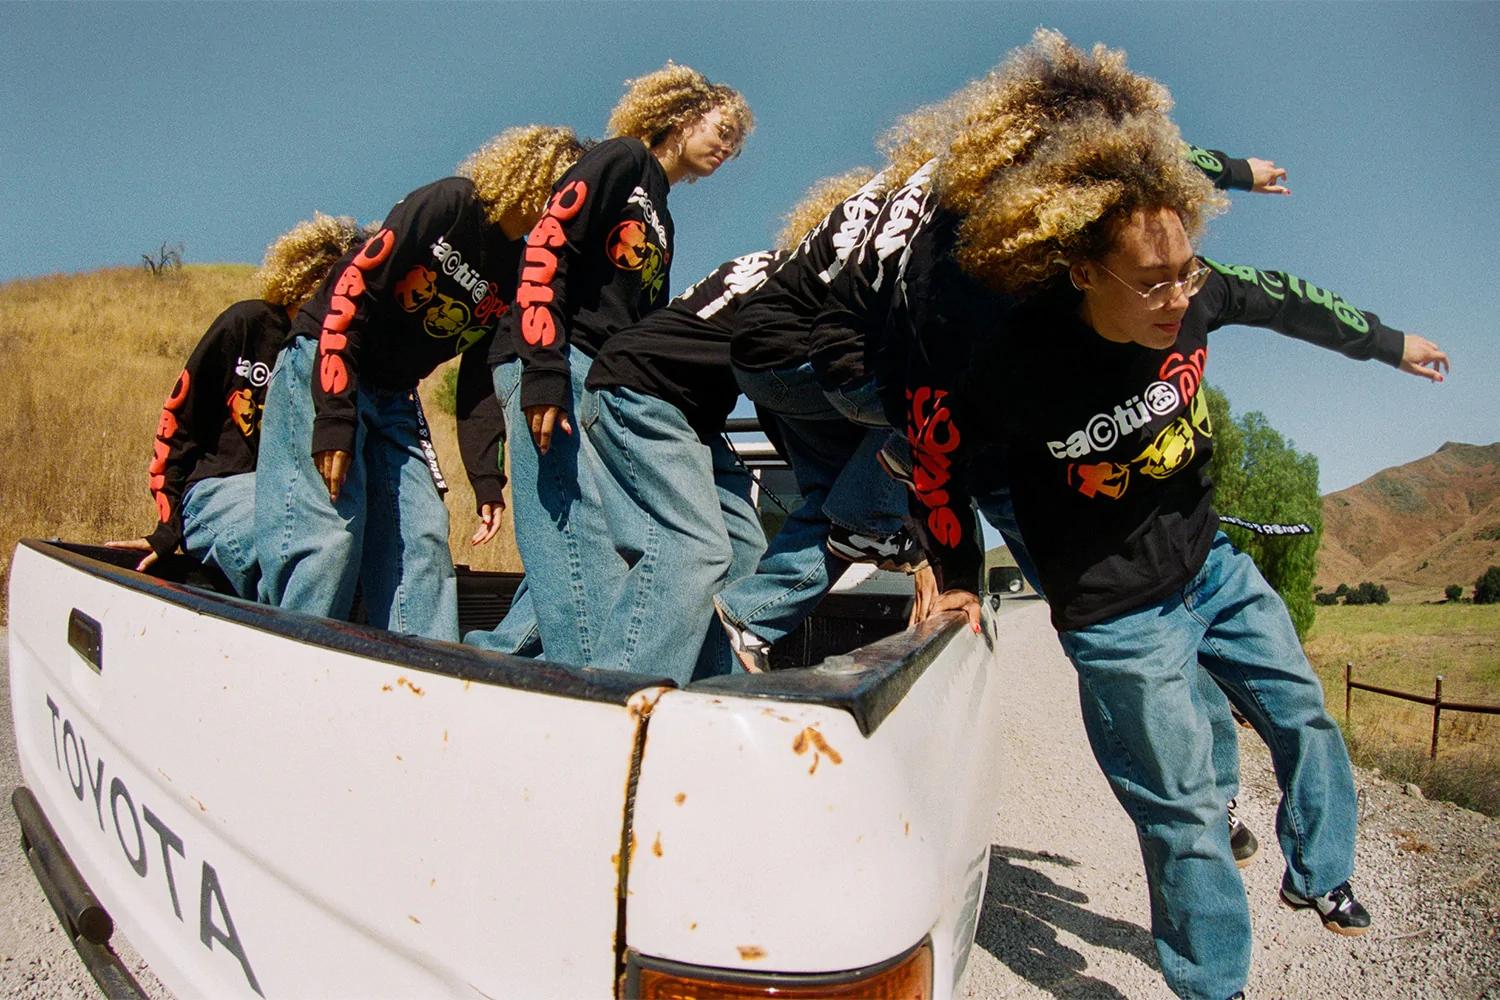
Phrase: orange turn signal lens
(906, 977)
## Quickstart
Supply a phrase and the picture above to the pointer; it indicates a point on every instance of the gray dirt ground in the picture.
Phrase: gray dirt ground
(1065, 914)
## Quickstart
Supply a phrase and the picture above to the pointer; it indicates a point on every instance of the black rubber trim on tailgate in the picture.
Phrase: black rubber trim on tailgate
(444, 658)
(867, 683)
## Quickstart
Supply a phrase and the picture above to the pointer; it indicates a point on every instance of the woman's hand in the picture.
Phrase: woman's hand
(489, 522)
(952, 600)
(1423, 358)
(924, 583)
(333, 466)
(542, 419)
(137, 545)
(1267, 177)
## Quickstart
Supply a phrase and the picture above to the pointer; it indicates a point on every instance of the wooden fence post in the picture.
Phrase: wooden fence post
(1437, 710)
(1349, 691)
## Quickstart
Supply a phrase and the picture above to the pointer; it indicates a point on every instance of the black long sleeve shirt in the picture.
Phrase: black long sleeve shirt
(1109, 444)
(435, 281)
(680, 353)
(905, 314)
(850, 328)
(597, 261)
(773, 328)
(210, 424)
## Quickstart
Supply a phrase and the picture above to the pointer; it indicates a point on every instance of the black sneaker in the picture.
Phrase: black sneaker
(1339, 910)
(1241, 841)
(899, 552)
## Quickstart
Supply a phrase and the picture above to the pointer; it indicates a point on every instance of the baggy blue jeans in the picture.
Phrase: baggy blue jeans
(572, 571)
(516, 633)
(1153, 731)
(388, 532)
(218, 528)
(683, 522)
(834, 463)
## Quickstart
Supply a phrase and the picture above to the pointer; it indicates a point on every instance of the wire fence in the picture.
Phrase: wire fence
(1439, 706)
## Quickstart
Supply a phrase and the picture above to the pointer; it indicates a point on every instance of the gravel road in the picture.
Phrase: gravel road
(1065, 914)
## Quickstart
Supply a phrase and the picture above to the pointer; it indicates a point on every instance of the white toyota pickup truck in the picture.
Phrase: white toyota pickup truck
(270, 804)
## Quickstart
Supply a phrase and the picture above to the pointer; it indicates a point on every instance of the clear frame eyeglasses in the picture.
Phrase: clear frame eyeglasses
(1160, 295)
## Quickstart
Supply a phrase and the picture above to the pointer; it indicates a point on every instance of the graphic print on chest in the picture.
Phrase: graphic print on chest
(449, 315)
(1171, 446)
(641, 245)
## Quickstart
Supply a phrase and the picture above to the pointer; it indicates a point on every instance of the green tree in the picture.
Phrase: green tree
(1487, 587)
(1454, 592)
(1260, 476)
(1368, 592)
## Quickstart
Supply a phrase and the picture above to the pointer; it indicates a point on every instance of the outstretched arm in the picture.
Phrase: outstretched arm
(1267, 177)
(1252, 174)
(1421, 357)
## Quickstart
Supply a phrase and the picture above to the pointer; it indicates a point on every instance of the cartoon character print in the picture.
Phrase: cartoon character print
(469, 338)
(1108, 478)
(446, 318)
(416, 289)
(629, 248)
(244, 411)
(1174, 447)
(627, 245)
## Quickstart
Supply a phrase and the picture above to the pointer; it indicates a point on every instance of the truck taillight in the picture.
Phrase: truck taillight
(906, 977)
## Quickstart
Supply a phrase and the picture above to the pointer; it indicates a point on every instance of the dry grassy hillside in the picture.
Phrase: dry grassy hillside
(1417, 527)
(88, 360)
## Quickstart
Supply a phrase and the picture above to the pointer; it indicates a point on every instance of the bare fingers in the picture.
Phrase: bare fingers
(1423, 358)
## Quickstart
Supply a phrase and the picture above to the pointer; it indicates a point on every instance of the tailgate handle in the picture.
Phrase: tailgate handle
(87, 639)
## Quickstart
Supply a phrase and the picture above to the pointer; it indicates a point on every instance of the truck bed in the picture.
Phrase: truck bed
(278, 804)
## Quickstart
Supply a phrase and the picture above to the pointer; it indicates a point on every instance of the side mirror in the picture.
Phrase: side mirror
(1006, 580)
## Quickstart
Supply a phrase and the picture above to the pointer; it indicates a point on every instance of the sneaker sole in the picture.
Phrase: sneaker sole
(1246, 861)
(1328, 924)
(870, 559)
(902, 476)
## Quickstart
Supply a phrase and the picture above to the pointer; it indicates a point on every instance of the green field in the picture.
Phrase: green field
(1404, 647)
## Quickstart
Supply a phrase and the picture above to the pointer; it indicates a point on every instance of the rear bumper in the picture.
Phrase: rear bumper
(83, 919)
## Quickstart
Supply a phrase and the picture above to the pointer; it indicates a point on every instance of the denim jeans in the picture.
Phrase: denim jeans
(517, 633)
(1153, 730)
(388, 532)
(833, 461)
(218, 528)
(683, 523)
(572, 572)
(996, 507)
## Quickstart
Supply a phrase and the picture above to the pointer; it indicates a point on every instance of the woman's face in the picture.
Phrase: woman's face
(1150, 248)
(707, 143)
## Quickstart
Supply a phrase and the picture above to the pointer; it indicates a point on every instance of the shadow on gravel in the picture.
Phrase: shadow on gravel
(1023, 911)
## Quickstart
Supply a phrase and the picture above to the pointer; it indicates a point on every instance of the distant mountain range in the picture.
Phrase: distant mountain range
(1419, 526)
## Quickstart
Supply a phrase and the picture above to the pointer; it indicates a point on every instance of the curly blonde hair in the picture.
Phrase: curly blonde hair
(998, 120)
(1064, 203)
(515, 171)
(672, 97)
(823, 197)
(298, 261)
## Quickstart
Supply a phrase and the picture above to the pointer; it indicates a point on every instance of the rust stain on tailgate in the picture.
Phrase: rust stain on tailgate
(811, 739)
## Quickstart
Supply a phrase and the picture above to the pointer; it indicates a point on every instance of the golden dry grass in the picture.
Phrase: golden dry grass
(88, 360)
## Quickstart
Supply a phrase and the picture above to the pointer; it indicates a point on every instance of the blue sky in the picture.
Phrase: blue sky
(220, 125)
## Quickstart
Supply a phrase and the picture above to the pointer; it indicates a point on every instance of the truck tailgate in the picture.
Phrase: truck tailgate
(783, 828)
(279, 805)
